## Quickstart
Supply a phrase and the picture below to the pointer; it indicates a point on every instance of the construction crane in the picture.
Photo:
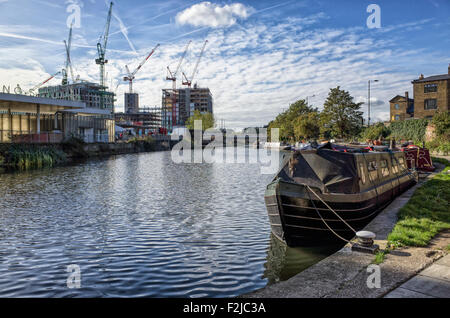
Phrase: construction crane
(101, 48)
(32, 91)
(173, 77)
(65, 71)
(117, 86)
(131, 76)
(69, 63)
(187, 81)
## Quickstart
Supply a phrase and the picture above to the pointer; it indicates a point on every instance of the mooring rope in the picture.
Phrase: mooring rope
(323, 220)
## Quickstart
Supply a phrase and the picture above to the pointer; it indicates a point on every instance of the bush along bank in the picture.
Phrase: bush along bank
(25, 157)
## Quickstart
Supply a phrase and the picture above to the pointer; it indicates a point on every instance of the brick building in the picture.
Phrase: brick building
(431, 95)
(402, 107)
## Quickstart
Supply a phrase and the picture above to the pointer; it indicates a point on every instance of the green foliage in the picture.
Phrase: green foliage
(375, 132)
(426, 213)
(286, 121)
(380, 256)
(207, 119)
(441, 122)
(440, 145)
(24, 157)
(341, 117)
(413, 129)
(306, 126)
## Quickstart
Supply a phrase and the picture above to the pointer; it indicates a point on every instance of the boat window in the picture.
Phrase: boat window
(362, 173)
(402, 163)
(394, 165)
(372, 167)
(384, 168)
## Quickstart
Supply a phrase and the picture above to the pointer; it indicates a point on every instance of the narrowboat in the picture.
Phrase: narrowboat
(316, 190)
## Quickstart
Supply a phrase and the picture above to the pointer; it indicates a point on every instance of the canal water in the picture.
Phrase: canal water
(140, 225)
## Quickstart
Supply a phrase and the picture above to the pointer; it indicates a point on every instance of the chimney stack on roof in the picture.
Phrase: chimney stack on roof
(449, 69)
(407, 100)
(421, 77)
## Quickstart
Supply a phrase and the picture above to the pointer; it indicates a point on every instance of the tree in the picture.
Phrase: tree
(341, 117)
(286, 120)
(307, 126)
(441, 122)
(207, 119)
(376, 132)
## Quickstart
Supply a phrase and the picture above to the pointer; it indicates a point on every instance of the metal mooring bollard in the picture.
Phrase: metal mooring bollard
(365, 243)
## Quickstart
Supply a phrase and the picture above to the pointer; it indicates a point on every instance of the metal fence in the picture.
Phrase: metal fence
(21, 137)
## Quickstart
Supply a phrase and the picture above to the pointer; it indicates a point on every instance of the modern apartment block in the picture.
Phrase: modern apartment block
(187, 100)
(30, 119)
(86, 92)
(431, 95)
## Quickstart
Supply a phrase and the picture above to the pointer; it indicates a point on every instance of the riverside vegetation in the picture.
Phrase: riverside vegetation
(33, 156)
(24, 157)
(424, 216)
(341, 118)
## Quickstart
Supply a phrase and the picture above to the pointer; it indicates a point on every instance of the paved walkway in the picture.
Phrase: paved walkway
(432, 282)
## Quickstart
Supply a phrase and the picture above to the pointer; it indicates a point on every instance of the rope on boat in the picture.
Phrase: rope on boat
(323, 220)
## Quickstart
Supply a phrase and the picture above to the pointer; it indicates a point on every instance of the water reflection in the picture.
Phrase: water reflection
(283, 262)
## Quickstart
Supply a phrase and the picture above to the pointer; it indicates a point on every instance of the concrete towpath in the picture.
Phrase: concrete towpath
(433, 282)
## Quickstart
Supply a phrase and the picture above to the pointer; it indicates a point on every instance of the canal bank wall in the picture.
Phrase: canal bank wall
(31, 156)
(349, 274)
(102, 149)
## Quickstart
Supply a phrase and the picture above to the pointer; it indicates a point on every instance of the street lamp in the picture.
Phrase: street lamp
(368, 103)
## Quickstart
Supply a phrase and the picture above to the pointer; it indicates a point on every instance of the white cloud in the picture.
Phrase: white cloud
(213, 15)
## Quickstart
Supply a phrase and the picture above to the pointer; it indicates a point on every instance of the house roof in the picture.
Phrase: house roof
(442, 77)
(399, 96)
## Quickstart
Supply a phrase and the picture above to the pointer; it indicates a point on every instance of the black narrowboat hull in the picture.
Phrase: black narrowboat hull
(299, 218)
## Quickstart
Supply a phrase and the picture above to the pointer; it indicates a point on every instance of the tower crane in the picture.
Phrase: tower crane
(187, 81)
(32, 91)
(172, 76)
(132, 75)
(101, 49)
(67, 45)
(69, 63)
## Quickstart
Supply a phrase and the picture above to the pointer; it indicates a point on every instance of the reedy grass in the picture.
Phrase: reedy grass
(25, 157)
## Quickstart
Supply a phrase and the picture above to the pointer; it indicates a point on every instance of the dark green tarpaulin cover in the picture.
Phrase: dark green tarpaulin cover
(323, 168)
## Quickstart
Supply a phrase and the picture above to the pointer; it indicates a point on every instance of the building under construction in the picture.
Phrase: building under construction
(144, 121)
(89, 93)
(186, 100)
(131, 103)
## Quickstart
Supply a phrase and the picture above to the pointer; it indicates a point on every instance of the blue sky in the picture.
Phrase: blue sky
(261, 55)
